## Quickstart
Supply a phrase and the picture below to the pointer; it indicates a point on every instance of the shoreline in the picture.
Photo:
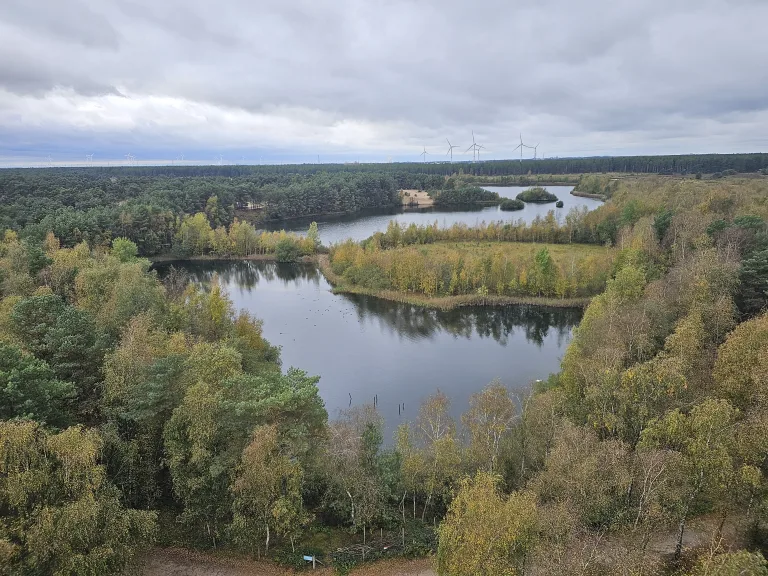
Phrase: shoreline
(588, 195)
(443, 302)
(338, 286)
(164, 258)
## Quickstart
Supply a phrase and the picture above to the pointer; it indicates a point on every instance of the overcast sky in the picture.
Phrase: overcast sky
(369, 79)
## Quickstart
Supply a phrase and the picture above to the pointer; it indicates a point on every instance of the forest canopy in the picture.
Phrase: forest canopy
(138, 409)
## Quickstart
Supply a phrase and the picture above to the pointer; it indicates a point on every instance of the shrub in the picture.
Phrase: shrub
(467, 195)
(509, 204)
(538, 195)
(559, 204)
(286, 250)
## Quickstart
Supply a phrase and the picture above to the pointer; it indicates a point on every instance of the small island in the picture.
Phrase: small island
(510, 204)
(537, 195)
(466, 195)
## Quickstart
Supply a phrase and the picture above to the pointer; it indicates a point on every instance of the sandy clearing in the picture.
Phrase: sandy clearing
(416, 197)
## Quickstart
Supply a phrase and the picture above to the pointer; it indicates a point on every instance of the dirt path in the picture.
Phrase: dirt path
(181, 562)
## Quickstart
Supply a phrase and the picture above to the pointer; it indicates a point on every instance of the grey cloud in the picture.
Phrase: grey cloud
(68, 20)
(554, 68)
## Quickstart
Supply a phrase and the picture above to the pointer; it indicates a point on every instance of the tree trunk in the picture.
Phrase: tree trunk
(679, 546)
(266, 544)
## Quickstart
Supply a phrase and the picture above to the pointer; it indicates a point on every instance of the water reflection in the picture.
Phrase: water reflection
(499, 323)
(405, 321)
(363, 347)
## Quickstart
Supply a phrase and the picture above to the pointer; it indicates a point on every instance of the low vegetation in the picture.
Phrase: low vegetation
(536, 195)
(511, 204)
(465, 195)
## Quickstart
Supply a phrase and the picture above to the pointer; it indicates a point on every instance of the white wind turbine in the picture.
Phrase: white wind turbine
(474, 147)
(424, 155)
(521, 146)
(450, 149)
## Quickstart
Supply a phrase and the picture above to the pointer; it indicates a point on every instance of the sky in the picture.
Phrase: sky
(250, 81)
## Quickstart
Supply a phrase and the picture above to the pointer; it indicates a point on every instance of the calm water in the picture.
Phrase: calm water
(364, 346)
(361, 226)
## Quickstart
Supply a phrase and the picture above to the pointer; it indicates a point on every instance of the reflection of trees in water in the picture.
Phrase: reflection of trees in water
(499, 323)
(411, 322)
(245, 274)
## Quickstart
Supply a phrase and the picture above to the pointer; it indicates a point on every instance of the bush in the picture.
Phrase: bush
(538, 195)
(467, 195)
(559, 204)
(509, 204)
(286, 250)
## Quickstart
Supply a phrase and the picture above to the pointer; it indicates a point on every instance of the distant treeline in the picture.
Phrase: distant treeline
(670, 164)
(148, 204)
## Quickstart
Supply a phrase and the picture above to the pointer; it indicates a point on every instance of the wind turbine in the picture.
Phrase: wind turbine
(50, 161)
(536, 150)
(89, 158)
(521, 146)
(473, 147)
(424, 155)
(450, 149)
(130, 158)
(220, 160)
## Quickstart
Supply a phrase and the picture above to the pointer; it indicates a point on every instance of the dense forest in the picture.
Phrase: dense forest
(137, 409)
(147, 204)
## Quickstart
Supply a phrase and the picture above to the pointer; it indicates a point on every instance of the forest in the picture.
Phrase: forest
(139, 410)
(147, 204)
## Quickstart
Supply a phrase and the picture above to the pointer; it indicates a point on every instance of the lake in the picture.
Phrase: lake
(362, 225)
(363, 347)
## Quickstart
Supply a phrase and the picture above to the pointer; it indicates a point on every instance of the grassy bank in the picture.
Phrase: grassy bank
(163, 258)
(341, 286)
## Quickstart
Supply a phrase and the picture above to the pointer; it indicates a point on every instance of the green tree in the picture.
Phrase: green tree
(741, 369)
(67, 339)
(124, 250)
(485, 533)
(59, 513)
(286, 250)
(489, 420)
(313, 235)
(267, 491)
(704, 438)
(739, 563)
(752, 296)
(29, 389)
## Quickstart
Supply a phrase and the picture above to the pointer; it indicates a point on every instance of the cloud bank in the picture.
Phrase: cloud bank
(347, 79)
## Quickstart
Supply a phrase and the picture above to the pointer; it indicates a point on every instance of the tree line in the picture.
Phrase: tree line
(471, 268)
